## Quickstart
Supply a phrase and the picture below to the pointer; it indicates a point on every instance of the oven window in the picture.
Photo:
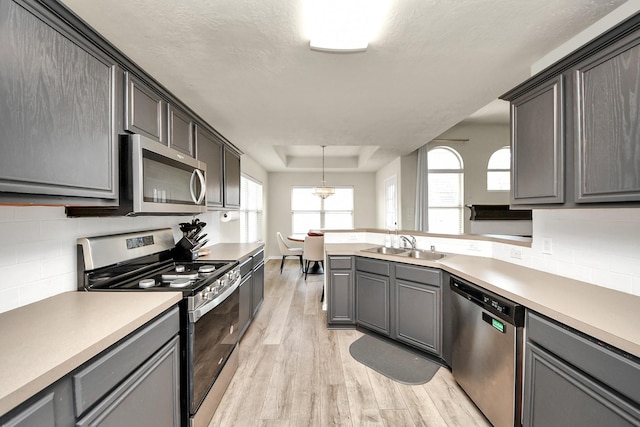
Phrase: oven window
(214, 336)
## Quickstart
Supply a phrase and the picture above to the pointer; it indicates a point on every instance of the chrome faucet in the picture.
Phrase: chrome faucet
(411, 241)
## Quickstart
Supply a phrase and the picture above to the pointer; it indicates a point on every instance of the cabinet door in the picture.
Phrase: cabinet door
(417, 315)
(372, 301)
(607, 103)
(340, 297)
(149, 397)
(258, 288)
(555, 394)
(537, 152)
(231, 179)
(209, 150)
(145, 111)
(57, 110)
(180, 130)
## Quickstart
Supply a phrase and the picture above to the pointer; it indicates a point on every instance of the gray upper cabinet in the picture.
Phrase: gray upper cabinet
(576, 128)
(231, 179)
(58, 102)
(180, 130)
(145, 110)
(607, 125)
(537, 135)
(210, 151)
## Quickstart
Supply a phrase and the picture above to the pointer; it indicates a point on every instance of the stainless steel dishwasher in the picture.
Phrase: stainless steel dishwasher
(487, 350)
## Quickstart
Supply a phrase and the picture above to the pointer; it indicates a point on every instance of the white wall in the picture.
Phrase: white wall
(279, 200)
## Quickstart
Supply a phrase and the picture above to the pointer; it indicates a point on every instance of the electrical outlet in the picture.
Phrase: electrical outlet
(473, 246)
(547, 246)
(353, 237)
(516, 253)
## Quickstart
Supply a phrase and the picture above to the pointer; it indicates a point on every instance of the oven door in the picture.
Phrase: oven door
(213, 334)
(165, 180)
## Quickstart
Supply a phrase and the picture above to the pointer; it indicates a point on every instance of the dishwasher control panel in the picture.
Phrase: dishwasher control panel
(495, 304)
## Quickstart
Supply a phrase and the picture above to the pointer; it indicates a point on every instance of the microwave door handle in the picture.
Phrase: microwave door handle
(191, 186)
(203, 186)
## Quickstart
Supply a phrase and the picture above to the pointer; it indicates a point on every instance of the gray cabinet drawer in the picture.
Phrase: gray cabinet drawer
(373, 266)
(340, 262)
(40, 413)
(615, 370)
(100, 377)
(148, 398)
(245, 266)
(418, 274)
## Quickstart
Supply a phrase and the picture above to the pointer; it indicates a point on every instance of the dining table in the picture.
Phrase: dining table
(299, 238)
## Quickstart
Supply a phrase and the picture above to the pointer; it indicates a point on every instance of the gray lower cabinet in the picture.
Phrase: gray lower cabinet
(571, 380)
(417, 307)
(60, 100)
(537, 151)
(245, 307)
(136, 382)
(210, 150)
(372, 301)
(231, 179)
(180, 130)
(149, 397)
(340, 291)
(145, 110)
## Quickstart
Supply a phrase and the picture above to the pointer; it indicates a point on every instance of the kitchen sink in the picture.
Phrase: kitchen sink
(423, 254)
(386, 250)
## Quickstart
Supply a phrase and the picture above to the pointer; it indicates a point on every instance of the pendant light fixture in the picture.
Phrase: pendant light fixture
(323, 191)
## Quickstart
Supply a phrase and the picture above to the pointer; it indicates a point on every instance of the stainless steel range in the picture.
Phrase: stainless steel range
(144, 262)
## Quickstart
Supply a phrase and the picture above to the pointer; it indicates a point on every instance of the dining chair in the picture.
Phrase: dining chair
(313, 250)
(286, 250)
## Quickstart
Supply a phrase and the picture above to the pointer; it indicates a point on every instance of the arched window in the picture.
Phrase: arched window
(499, 170)
(446, 204)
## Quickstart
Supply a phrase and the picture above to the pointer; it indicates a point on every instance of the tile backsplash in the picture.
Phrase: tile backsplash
(38, 247)
(598, 246)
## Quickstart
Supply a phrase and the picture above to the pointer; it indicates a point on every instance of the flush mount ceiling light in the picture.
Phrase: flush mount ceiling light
(343, 25)
(323, 191)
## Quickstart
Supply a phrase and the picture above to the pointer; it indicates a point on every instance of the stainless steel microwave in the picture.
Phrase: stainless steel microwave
(154, 180)
(162, 180)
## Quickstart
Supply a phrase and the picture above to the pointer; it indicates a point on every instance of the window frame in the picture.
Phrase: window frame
(459, 207)
(508, 170)
(245, 213)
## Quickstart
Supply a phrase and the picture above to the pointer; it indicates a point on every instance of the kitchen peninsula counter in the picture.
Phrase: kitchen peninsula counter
(605, 314)
(44, 341)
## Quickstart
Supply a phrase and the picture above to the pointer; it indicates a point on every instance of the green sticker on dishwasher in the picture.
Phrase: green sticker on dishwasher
(497, 324)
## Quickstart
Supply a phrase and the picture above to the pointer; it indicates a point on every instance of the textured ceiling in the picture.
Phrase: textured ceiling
(246, 68)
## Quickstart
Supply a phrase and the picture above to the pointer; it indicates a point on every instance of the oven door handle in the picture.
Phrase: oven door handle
(196, 314)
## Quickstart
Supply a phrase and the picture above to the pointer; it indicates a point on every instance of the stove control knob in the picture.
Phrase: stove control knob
(180, 268)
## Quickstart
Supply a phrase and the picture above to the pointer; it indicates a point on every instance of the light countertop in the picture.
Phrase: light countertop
(605, 314)
(44, 341)
(231, 251)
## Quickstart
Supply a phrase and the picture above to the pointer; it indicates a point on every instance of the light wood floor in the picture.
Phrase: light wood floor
(294, 372)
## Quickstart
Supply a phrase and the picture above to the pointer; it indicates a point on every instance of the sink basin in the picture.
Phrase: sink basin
(385, 250)
(423, 254)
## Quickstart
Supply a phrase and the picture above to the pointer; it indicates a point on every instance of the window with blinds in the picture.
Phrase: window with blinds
(391, 202)
(250, 210)
(499, 170)
(445, 192)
